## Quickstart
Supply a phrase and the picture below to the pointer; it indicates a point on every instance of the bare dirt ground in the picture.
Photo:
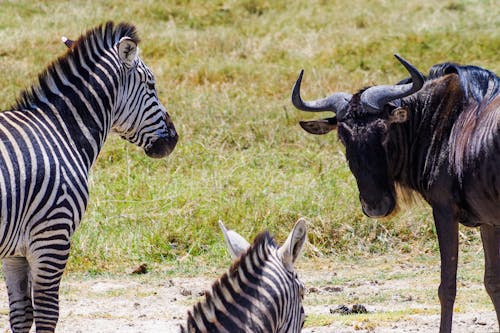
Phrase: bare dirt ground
(399, 294)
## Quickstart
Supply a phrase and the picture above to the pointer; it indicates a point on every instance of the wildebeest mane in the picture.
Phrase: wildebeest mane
(475, 128)
(478, 84)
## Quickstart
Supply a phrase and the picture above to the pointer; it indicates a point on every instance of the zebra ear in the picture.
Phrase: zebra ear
(68, 42)
(293, 244)
(127, 51)
(236, 245)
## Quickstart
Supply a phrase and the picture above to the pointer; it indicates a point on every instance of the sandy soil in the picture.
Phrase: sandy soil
(405, 302)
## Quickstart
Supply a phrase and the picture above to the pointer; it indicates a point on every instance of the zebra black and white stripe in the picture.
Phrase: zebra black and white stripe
(49, 140)
(261, 292)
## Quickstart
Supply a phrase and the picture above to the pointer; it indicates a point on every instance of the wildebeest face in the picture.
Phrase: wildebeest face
(364, 141)
(363, 121)
(364, 137)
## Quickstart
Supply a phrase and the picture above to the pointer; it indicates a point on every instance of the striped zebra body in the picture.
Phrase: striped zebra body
(260, 293)
(48, 143)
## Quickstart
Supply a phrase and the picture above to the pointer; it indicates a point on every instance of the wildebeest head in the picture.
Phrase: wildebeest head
(363, 121)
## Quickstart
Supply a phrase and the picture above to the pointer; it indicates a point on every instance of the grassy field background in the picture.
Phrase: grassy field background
(224, 70)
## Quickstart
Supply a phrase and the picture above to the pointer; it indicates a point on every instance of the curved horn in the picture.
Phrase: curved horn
(375, 98)
(335, 102)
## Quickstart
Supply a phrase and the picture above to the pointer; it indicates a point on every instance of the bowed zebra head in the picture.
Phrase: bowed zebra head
(260, 293)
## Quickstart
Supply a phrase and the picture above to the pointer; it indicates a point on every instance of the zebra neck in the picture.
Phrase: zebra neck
(77, 102)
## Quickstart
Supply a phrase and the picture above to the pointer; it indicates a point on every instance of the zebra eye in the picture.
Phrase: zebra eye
(151, 86)
(301, 286)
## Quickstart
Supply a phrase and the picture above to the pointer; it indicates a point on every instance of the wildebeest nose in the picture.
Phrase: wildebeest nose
(379, 208)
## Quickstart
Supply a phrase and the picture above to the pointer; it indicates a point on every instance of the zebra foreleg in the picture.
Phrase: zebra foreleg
(46, 274)
(17, 279)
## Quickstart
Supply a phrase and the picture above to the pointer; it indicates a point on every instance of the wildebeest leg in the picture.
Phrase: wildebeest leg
(17, 279)
(447, 232)
(491, 245)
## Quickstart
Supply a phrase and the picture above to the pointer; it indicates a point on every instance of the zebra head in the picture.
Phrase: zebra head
(279, 293)
(140, 116)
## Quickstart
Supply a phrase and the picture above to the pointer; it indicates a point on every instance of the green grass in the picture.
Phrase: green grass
(224, 69)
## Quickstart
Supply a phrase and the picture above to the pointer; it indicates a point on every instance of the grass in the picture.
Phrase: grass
(224, 69)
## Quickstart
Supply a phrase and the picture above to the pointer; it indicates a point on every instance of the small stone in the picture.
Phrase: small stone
(341, 309)
(313, 290)
(359, 308)
(334, 289)
(141, 269)
(185, 292)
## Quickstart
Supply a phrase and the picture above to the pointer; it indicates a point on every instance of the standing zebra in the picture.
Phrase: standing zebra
(49, 141)
(261, 292)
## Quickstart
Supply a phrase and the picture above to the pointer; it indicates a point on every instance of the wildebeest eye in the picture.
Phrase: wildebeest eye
(345, 131)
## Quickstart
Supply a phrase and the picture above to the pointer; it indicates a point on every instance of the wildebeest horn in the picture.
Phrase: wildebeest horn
(335, 102)
(68, 42)
(374, 98)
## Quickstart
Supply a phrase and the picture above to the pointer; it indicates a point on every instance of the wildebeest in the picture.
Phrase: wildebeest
(438, 136)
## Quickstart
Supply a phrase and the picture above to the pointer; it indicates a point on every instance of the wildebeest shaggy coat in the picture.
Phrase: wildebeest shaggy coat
(438, 136)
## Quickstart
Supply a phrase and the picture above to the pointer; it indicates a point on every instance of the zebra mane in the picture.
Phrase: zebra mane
(262, 243)
(107, 35)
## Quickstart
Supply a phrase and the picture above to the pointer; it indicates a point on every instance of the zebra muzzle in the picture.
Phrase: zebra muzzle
(162, 146)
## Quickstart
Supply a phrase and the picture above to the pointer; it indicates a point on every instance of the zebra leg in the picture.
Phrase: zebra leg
(46, 272)
(17, 279)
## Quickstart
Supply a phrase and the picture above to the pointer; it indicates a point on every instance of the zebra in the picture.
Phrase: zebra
(261, 292)
(49, 140)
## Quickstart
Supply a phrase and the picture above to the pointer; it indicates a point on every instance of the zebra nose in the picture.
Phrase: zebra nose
(163, 145)
(171, 132)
